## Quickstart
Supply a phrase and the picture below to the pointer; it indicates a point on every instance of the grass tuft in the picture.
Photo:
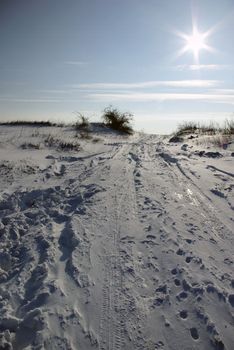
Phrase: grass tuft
(228, 128)
(82, 122)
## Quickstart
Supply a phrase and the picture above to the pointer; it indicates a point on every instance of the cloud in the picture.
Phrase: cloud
(160, 97)
(205, 67)
(224, 91)
(54, 91)
(195, 67)
(150, 84)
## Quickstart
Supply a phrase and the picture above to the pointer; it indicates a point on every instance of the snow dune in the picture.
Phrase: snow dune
(120, 243)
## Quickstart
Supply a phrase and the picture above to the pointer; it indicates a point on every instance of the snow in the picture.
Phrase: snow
(120, 243)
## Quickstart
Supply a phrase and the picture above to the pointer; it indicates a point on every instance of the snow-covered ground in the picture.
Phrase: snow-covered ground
(120, 243)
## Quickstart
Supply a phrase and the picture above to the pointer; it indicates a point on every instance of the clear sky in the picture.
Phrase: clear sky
(163, 60)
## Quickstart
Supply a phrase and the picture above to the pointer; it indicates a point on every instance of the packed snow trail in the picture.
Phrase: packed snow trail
(121, 246)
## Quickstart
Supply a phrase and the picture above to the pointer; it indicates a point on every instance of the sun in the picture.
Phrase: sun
(195, 42)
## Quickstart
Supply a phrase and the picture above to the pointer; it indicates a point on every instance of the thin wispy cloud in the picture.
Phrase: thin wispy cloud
(151, 84)
(205, 67)
(198, 67)
(224, 91)
(55, 91)
(160, 97)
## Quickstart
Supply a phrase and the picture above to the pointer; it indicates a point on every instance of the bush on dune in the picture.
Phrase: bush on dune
(214, 133)
(116, 120)
(212, 128)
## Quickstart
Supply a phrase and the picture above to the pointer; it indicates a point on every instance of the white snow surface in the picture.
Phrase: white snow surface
(120, 243)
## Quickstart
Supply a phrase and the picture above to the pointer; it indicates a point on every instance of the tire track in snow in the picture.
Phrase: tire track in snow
(108, 332)
(104, 337)
(111, 324)
(112, 312)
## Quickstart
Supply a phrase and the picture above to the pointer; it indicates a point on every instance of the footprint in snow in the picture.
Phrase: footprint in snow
(194, 333)
(231, 299)
(188, 259)
(182, 296)
(151, 237)
(180, 252)
(183, 314)
(174, 271)
(177, 282)
(218, 193)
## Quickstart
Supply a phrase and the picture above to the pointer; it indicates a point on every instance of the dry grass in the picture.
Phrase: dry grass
(30, 145)
(31, 123)
(82, 123)
(59, 144)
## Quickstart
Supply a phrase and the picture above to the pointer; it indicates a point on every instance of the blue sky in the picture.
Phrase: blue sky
(59, 56)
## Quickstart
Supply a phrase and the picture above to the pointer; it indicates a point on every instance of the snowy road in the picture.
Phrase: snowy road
(125, 245)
